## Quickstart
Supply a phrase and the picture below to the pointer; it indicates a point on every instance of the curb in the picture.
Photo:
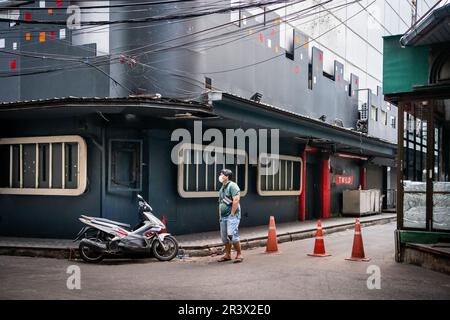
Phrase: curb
(192, 251)
(208, 250)
(56, 253)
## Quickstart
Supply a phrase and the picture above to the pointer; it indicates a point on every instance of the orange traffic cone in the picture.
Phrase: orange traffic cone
(272, 244)
(358, 248)
(319, 245)
(164, 223)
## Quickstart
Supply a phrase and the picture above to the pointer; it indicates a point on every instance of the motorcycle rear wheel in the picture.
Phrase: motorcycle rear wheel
(168, 255)
(89, 255)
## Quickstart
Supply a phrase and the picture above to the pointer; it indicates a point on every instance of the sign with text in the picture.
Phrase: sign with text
(343, 180)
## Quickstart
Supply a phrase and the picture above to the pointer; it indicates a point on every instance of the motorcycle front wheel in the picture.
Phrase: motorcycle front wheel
(170, 253)
(88, 254)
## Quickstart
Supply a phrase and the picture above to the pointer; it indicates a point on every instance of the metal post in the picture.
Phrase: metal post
(196, 170)
(273, 175)
(11, 150)
(285, 175)
(206, 176)
(415, 178)
(78, 165)
(279, 174)
(63, 166)
(292, 175)
(187, 162)
(50, 165)
(399, 163)
(413, 12)
(430, 164)
(21, 166)
(36, 185)
(215, 171)
(267, 177)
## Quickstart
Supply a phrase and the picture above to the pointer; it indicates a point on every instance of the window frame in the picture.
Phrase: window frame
(279, 192)
(393, 122)
(384, 117)
(205, 194)
(81, 165)
(374, 113)
(115, 187)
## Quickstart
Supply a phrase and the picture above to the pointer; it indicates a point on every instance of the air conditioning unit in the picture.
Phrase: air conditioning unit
(361, 126)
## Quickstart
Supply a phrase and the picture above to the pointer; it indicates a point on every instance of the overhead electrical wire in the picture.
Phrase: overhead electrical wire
(279, 55)
(309, 8)
(190, 79)
(188, 75)
(71, 60)
(149, 19)
(50, 56)
(237, 31)
(189, 35)
(121, 5)
(233, 37)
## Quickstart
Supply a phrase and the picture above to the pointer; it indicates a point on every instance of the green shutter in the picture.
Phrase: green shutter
(403, 68)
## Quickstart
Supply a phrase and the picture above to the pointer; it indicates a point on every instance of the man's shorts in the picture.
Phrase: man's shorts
(229, 229)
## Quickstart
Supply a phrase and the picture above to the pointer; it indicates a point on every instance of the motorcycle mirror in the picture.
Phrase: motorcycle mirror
(140, 197)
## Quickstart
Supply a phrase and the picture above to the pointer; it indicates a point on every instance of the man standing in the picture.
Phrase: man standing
(230, 215)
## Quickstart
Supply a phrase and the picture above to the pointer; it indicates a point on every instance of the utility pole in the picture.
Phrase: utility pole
(413, 12)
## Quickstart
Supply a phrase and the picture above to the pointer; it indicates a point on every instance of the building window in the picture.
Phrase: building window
(198, 178)
(286, 181)
(290, 44)
(393, 122)
(208, 83)
(287, 39)
(374, 113)
(53, 165)
(125, 165)
(236, 14)
(384, 117)
(264, 16)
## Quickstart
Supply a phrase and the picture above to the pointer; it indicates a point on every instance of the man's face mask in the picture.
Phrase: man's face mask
(221, 178)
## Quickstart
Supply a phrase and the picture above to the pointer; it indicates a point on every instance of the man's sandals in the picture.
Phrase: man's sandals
(223, 259)
(238, 260)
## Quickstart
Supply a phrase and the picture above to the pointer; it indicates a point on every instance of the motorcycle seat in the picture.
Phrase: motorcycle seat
(120, 224)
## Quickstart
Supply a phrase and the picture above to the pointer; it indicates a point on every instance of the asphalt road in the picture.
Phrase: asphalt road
(289, 274)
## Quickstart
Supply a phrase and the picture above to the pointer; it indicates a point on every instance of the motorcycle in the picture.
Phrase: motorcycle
(100, 237)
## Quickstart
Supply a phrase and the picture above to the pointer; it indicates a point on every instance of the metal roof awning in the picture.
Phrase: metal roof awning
(219, 109)
(410, 61)
(82, 106)
(299, 126)
(435, 28)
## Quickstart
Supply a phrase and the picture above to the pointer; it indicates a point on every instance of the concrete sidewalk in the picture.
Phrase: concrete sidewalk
(198, 244)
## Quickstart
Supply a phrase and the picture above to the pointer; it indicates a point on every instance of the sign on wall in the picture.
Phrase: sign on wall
(343, 180)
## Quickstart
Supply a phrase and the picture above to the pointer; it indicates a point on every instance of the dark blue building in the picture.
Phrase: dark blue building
(82, 131)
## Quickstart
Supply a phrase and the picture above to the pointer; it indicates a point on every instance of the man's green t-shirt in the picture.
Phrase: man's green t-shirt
(226, 194)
